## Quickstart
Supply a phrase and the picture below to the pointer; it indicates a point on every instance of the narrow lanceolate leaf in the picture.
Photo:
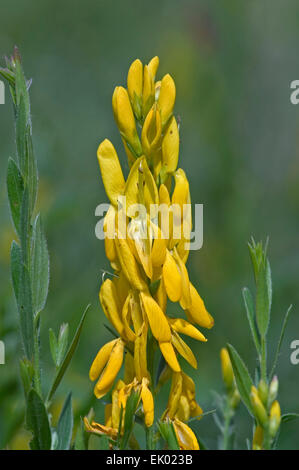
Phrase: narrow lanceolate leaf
(249, 306)
(21, 130)
(15, 188)
(243, 379)
(39, 267)
(65, 425)
(288, 417)
(263, 298)
(62, 369)
(285, 322)
(37, 422)
(131, 407)
(53, 345)
(22, 288)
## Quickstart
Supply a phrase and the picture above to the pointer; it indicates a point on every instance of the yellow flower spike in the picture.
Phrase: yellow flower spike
(170, 147)
(125, 120)
(185, 300)
(197, 312)
(170, 356)
(172, 278)
(185, 436)
(126, 317)
(148, 403)
(111, 370)
(153, 66)
(156, 318)
(183, 349)
(166, 98)
(135, 86)
(175, 394)
(227, 370)
(140, 362)
(164, 197)
(111, 305)
(111, 171)
(258, 438)
(101, 360)
(129, 264)
(151, 131)
(182, 326)
(148, 95)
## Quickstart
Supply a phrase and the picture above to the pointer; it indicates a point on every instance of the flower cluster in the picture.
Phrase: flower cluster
(148, 255)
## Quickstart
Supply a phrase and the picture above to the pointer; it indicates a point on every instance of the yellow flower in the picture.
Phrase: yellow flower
(185, 436)
(147, 235)
(275, 418)
(107, 363)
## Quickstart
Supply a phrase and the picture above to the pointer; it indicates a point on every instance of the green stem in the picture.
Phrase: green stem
(263, 359)
(228, 414)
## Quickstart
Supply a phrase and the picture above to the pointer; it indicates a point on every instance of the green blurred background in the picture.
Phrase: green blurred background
(232, 61)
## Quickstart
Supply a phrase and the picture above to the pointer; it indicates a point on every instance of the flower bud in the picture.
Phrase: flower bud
(227, 370)
(275, 419)
(263, 392)
(166, 98)
(151, 131)
(273, 389)
(124, 118)
(258, 438)
(258, 408)
(135, 86)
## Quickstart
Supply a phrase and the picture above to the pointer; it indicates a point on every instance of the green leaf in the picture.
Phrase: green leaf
(263, 298)
(285, 322)
(22, 288)
(62, 369)
(37, 422)
(243, 379)
(82, 437)
(31, 175)
(65, 425)
(249, 306)
(167, 432)
(15, 188)
(288, 417)
(39, 267)
(130, 410)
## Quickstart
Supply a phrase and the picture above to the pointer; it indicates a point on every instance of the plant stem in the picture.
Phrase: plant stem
(228, 414)
(263, 359)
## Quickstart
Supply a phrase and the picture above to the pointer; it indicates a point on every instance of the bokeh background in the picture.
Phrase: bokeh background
(232, 61)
